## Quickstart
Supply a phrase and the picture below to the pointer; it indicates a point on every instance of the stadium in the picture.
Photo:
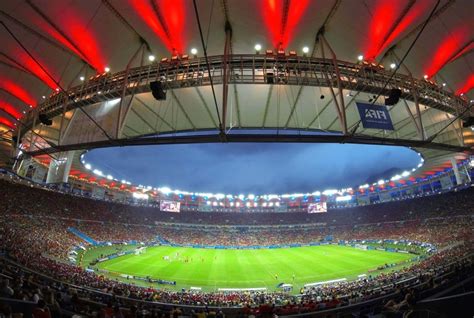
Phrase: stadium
(236, 158)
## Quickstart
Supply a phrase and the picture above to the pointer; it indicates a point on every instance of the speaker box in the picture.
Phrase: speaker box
(393, 97)
(270, 78)
(468, 122)
(157, 90)
(44, 120)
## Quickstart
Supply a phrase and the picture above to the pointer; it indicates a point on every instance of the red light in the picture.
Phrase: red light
(10, 109)
(416, 11)
(467, 86)
(80, 40)
(269, 52)
(447, 50)
(170, 26)
(6, 122)
(17, 91)
(273, 17)
(28, 63)
(465, 50)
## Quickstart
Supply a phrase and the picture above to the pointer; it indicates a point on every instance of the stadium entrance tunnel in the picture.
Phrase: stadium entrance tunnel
(259, 168)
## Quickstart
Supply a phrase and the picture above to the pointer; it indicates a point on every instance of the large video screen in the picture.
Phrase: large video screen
(170, 206)
(318, 207)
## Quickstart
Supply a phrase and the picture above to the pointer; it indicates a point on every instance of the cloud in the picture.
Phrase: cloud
(251, 167)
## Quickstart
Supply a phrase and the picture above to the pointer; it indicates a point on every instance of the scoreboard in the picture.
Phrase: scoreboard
(170, 206)
(318, 207)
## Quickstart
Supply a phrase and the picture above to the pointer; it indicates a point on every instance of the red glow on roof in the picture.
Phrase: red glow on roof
(446, 50)
(415, 12)
(174, 13)
(467, 86)
(466, 49)
(58, 36)
(383, 18)
(81, 38)
(6, 122)
(29, 64)
(170, 30)
(17, 91)
(272, 11)
(10, 109)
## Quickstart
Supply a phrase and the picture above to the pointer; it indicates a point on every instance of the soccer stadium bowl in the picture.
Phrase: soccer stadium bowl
(80, 75)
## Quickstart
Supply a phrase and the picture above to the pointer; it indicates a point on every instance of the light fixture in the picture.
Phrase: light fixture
(393, 65)
(444, 84)
(305, 50)
(82, 78)
(425, 76)
(44, 97)
(258, 47)
(194, 51)
(360, 57)
(107, 69)
(151, 57)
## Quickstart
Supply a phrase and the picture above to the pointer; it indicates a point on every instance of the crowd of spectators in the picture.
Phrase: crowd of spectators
(34, 233)
(51, 203)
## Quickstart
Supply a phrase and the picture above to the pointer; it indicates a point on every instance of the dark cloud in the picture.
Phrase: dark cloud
(250, 167)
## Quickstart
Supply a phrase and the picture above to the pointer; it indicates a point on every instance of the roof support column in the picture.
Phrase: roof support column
(124, 89)
(225, 77)
(456, 171)
(341, 109)
(414, 92)
(58, 171)
(66, 101)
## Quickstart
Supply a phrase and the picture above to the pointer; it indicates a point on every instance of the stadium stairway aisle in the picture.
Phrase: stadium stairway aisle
(162, 240)
(82, 236)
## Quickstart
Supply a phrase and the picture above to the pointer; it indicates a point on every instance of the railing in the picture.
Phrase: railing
(249, 69)
(235, 311)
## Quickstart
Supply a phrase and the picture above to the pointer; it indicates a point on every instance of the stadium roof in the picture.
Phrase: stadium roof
(54, 45)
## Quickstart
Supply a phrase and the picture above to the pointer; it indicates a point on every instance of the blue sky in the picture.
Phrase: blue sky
(251, 167)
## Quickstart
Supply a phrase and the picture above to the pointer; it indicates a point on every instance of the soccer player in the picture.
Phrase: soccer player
(276, 277)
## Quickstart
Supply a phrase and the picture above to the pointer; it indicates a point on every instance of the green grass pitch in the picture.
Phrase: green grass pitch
(226, 268)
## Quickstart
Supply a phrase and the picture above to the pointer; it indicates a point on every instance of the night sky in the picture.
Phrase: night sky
(268, 168)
